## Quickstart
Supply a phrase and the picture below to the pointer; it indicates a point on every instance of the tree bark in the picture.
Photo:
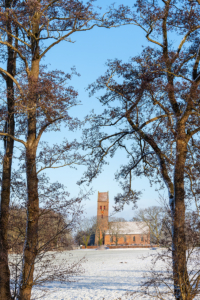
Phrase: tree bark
(181, 280)
(31, 241)
(4, 215)
(6, 176)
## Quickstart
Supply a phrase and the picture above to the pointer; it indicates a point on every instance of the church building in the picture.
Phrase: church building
(118, 233)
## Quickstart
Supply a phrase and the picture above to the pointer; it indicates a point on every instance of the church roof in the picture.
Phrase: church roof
(103, 197)
(127, 228)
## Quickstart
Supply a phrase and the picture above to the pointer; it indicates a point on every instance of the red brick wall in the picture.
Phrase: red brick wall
(129, 240)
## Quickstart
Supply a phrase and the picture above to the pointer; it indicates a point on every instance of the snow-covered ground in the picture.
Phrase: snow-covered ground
(109, 275)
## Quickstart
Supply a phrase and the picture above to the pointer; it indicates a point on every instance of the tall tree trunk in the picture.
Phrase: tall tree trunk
(31, 241)
(30, 249)
(5, 201)
(6, 176)
(181, 280)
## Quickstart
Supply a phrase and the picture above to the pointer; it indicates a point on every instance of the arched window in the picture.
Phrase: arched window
(104, 207)
(111, 239)
(142, 239)
(125, 239)
(100, 207)
(133, 238)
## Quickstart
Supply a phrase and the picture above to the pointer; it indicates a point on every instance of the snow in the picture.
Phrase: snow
(110, 274)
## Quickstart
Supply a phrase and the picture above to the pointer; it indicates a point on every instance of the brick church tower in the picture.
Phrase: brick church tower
(102, 217)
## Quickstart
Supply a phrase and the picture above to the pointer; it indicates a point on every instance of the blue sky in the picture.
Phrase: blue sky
(89, 54)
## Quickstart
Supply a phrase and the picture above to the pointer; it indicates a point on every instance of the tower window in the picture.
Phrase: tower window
(133, 238)
(100, 207)
(125, 239)
(104, 207)
(142, 239)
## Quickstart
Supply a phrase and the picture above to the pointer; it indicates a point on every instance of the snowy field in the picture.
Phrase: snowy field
(109, 275)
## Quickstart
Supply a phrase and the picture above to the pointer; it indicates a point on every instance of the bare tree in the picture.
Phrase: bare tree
(41, 101)
(157, 281)
(153, 112)
(158, 220)
(9, 128)
(115, 229)
(58, 218)
(87, 228)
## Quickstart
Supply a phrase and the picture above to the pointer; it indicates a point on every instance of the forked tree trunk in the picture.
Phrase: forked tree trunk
(6, 175)
(181, 280)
